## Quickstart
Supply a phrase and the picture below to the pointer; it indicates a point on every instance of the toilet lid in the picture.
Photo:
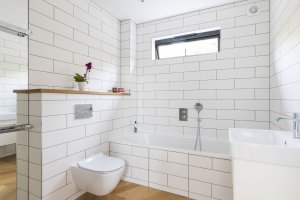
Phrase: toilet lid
(101, 163)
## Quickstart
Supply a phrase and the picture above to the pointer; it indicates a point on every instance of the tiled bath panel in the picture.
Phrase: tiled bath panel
(187, 174)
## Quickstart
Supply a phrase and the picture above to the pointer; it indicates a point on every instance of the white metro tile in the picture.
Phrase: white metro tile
(62, 136)
(83, 144)
(141, 174)
(200, 187)
(222, 165)
(180, 158)
(222, 193)
(176, 169)
(158, 178)
(54, 183)
(54, 153)
(139, 151)
(158, 154)
(199, 197)
(178, 182)
(35, 187)
(200, 161)
(59, 166)
(210, 176)
(51, 123)
(120, 148)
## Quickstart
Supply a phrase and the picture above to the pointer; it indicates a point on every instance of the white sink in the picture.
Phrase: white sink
(272, 147)
(265, 165)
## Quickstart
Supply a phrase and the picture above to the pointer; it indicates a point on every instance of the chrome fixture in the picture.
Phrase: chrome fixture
(14, 128)
(183, 114)
(296, 121)
(198, 107)
(14, 30)
(253, 9)
(135, 129)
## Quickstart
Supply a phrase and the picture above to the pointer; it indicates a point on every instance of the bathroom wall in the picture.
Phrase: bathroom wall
(58, 139)
(19, 16)
(285, 62)
(233, 85)
(7, 150)
(128, 66)
(13, 75)
(66, 34)
(13, 70)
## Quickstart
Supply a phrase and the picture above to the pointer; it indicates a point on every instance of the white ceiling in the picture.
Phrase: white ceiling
(154, 9)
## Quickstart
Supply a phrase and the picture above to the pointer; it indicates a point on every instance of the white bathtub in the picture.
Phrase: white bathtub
(210, 146)
(169, 163)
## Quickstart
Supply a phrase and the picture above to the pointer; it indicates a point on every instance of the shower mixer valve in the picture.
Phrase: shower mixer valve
(183, 114)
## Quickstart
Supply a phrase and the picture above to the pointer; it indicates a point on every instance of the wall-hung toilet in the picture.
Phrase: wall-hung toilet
(98, 174)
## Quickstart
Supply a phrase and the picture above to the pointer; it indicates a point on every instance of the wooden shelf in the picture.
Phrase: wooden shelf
(58, 91)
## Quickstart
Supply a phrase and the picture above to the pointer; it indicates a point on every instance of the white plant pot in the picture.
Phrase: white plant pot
(82, 86)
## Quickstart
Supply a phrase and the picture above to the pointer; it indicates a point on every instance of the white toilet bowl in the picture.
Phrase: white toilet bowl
(99, 174)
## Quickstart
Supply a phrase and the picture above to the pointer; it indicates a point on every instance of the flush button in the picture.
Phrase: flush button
(183, 114)
(83, 111)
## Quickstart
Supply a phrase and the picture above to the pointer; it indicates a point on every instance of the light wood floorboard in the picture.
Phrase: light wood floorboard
(131, 191)
(8, 178)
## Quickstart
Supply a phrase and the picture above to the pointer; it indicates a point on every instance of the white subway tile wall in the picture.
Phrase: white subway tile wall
(13, 68)
(233, 85)
(7, 150)
(58, 140)
(190, 175)
(13, 75)
(65, 36)
(22, 150)
(285, 62)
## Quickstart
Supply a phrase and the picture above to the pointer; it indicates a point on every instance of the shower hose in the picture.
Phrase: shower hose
(198, 138)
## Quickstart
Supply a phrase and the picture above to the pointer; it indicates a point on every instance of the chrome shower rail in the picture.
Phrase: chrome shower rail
(14, 128)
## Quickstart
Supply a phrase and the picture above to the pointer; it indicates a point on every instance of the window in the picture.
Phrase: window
(188, 44)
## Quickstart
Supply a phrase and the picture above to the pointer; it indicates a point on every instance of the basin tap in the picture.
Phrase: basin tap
(135, 129)
(296, 121)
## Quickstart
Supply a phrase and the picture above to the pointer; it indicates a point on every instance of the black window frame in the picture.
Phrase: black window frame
(187, 38)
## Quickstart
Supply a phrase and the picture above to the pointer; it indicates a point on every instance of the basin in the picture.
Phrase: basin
(265, 164)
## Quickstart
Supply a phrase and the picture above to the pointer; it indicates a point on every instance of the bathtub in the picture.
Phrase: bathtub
(210, 146)
(169, 163)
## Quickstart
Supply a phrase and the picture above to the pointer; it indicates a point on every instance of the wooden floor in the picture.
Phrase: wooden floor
(8, 178)
(124, 191)
(130, 191)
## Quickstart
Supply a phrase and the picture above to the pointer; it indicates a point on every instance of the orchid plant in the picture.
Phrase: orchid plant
(78, 78)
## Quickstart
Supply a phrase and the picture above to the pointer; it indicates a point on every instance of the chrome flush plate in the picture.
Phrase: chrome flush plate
(83, 111)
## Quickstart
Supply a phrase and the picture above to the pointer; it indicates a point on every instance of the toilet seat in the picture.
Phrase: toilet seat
(101, 163)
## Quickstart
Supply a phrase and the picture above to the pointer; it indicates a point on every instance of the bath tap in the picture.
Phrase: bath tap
(296, 120)
(135, 127)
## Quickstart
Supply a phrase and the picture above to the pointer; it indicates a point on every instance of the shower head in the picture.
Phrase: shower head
(198, 106)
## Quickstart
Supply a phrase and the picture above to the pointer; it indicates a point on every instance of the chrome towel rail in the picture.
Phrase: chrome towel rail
(14, 128)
